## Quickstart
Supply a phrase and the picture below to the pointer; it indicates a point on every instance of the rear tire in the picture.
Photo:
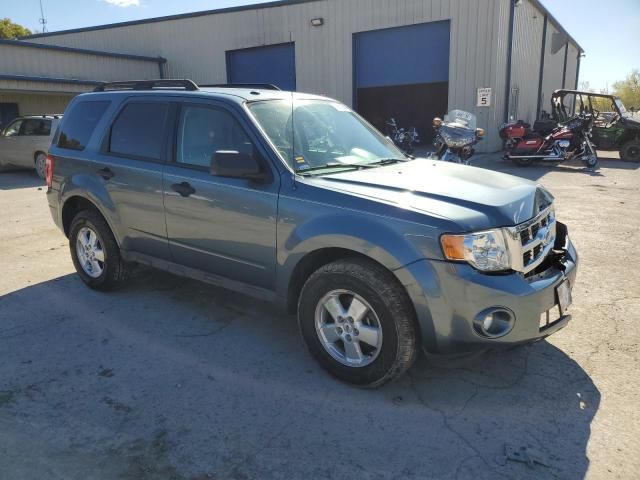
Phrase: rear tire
(99, 266)
(523, 162)
(630, 151)
(348, 306)
(40, 164)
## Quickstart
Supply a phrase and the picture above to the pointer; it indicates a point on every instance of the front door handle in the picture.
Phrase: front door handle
(184, 189)
(106, 173)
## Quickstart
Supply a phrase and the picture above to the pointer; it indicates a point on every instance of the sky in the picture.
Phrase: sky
(608, 30)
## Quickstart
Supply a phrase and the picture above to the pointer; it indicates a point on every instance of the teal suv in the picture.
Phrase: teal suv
(295, 198)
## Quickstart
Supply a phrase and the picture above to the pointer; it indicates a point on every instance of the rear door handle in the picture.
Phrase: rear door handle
(106, 173)
(184, 189)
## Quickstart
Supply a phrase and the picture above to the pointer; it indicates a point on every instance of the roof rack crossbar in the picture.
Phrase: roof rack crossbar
(259, 86)
(147, 85)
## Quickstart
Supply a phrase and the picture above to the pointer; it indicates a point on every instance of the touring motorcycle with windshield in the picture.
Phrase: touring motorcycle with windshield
(455, 136)
(571, 137)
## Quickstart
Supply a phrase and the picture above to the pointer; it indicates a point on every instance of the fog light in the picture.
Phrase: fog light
(494, 322)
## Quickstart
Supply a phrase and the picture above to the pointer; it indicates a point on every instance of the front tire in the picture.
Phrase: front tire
(630, 151)
(95, 252)
(358, 322)
(590, 160)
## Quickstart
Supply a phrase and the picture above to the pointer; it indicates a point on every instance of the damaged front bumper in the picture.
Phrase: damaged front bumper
(449, 297)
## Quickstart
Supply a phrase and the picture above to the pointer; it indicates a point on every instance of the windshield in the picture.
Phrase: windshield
(461, 118)
(320, 134)
(621, 107)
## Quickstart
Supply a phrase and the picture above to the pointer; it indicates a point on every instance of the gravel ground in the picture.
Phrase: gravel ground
(173, 379)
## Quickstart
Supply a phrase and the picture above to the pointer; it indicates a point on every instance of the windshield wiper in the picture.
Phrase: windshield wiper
(329, 166)
(388, 161)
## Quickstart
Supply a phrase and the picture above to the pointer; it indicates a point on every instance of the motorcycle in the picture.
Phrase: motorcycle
(405, 139)
(570, 139)
(455, 137)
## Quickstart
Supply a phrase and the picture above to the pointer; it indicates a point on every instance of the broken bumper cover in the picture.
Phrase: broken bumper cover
(449, 296)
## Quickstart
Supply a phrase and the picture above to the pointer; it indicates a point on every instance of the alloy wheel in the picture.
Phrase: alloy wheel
(348, 328)
(90, 252)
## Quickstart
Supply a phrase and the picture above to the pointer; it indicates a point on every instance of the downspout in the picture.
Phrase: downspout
(507, 96)
(161, 64)
(578, 68)
(542, 55)
(564, 68)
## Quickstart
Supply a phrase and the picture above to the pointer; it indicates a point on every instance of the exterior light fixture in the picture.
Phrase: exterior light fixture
(317, 22)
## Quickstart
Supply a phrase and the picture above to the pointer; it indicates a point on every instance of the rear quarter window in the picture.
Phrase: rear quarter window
(79, 123)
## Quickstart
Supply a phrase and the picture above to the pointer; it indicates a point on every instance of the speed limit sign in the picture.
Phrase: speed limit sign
(484, 97)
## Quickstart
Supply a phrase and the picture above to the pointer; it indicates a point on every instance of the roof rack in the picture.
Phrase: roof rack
(147, 85)
(260, 86)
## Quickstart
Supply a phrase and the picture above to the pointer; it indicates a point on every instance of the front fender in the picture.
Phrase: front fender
(359, 233)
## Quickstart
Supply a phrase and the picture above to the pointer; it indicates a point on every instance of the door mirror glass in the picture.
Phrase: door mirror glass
(233, 164)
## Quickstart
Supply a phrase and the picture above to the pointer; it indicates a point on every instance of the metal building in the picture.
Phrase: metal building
(411, 59)
(38, 79)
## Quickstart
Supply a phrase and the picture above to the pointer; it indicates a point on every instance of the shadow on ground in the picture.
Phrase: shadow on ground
(170, 378)
(13, 179)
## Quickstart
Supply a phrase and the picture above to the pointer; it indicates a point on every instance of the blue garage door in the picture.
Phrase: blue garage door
(275, 64)
(402, 72)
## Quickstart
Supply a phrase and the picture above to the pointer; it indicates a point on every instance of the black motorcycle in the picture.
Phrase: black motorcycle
(405, 139)
(455, 137)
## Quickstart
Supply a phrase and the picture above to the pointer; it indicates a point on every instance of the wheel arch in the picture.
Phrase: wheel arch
(327, 238)
(77, 203)
(311, 262)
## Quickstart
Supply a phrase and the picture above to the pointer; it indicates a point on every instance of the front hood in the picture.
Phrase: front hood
(473, 198)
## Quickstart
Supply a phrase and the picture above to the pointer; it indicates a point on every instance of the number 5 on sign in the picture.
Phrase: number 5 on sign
(484, 97)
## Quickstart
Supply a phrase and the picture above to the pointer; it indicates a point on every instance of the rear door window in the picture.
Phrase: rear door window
(139, 130)
(36, 127)
(78, 124)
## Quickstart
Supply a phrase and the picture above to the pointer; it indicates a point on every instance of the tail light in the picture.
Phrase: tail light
(48, 170)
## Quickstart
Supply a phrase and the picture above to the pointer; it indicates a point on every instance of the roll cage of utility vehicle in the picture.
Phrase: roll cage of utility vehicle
(614, 129)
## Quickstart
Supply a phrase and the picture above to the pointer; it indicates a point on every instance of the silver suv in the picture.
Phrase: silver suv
(25, 141)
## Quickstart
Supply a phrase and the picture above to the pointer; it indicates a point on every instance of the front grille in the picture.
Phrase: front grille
(532, 241)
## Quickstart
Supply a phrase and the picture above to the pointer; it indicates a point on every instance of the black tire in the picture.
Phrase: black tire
(591, 161)
(114, 268)
(39, 163)
(630, 151)
(391, 305)
(523, 162)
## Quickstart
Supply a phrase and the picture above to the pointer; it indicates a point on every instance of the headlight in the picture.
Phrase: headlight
(487, 251)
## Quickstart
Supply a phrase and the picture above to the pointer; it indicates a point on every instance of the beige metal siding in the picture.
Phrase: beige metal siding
(20, 60)
(525, 74)
(195, 47)
(572, 67)
(553, 65)
(32, 104)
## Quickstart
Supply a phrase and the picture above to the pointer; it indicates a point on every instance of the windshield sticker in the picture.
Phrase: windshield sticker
(300, 160)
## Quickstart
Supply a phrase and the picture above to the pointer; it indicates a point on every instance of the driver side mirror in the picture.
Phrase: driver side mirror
(233, 164)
